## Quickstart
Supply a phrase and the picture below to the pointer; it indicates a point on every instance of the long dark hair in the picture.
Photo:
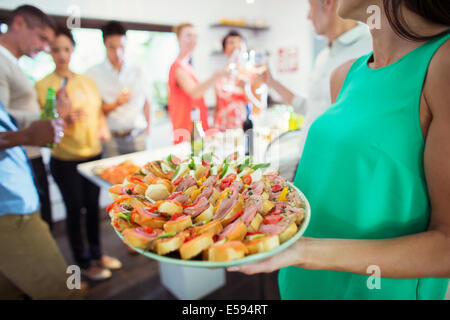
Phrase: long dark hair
(436, 11)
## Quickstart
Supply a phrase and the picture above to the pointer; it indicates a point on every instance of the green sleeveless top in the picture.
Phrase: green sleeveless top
(362, 171)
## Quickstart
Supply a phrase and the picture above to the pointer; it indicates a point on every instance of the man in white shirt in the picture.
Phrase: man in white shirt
(123, 87)
(347, 40)
(30, 31)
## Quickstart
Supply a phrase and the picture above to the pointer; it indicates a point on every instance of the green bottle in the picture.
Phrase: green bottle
(49, 112)
(197, 133)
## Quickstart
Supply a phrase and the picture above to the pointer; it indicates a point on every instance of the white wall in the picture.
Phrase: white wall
(287, 19)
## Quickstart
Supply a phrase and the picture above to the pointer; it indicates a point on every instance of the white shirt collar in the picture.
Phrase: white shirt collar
(8, 55)
(110, 67)
(353, 34)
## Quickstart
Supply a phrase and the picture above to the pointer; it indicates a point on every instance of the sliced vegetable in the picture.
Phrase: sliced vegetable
(256, 236)
(272, 219)
(236, 216)
(224, 170)
(247, 179)
(151, 244)
(283, 195)
(260, 166)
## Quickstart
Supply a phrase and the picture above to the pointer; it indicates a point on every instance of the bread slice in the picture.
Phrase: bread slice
(237, 232)
(256, 222)
(166, 245)
(178, 224)
(169, 208)
(195, 246)
(137, 239)
(263, 244)
(290, 231)
(267, 206)
(205, 215)
(119, 224)
(227, 251)
(148, 220)
(157, 192)
(215, 227)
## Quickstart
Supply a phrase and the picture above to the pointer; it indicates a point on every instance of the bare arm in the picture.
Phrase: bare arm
(426, 254)
(39, 133)
(147, 110)
(286, 95)
(193, 89)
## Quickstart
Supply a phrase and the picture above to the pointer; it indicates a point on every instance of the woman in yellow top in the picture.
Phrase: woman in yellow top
(79, 104)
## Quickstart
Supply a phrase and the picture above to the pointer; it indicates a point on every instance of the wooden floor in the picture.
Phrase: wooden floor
(139, 278)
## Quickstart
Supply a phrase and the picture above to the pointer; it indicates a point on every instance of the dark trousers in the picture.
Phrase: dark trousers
(79, 193)
(41, 182)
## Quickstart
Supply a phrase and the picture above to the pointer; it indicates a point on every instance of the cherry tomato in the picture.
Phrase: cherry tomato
(231, 176)
(272, 219)
(223, 186)
(247, 179)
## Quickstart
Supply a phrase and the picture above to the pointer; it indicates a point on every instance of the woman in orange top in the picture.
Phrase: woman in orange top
(185, 91)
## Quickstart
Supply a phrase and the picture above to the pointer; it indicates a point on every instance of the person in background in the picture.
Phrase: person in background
(375, 167)
(29, 32)
(31, 263)
(231, 97)
(124, 90)
(347, 39)
(86, 127)
(185, 91)
(231, 100)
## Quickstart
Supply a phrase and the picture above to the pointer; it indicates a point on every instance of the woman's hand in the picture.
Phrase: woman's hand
(104, 134)
(63, 103)
(292, 256)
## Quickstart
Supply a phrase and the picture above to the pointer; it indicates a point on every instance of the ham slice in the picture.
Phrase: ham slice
(198, 208)
(181, 198)
(188, 181)
(207, 192)
(274, 178)
(236, 186)
(212, 180)
(226, 205)
(249, 214)
(276, 228)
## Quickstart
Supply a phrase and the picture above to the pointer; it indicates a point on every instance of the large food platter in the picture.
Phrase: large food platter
(281, 213)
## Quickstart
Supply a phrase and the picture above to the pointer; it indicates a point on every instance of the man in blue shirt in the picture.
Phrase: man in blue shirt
(30, 261)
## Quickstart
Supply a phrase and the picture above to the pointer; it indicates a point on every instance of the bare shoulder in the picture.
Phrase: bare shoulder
(437, 82)
(338, 77)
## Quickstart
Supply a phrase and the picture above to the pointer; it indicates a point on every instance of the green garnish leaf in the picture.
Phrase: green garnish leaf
(260, 166)
(151, 244)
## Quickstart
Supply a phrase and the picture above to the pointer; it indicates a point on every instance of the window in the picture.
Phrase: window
(153, 51)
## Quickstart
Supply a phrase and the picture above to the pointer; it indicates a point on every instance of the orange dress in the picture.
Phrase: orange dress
(180, 104)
